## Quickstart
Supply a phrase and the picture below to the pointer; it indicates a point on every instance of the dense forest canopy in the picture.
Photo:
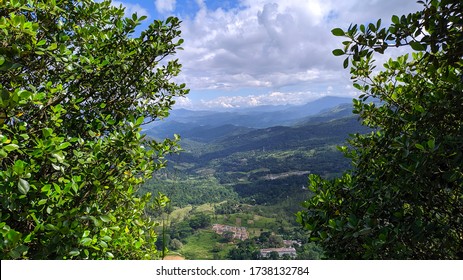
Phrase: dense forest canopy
(403, 198)
(76, 84)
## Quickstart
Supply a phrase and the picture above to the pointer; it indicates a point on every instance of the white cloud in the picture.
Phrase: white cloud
(183, 102)
(165, 6)
(281, 46)
(251, 100)
(249, 47)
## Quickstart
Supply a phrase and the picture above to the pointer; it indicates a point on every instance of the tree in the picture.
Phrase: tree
(244, 250)
(181, 230)
(228, 236)
(199, 220)
(275, 241)
(403, 197)
(77, 83)
(176, 244)
(273, 256)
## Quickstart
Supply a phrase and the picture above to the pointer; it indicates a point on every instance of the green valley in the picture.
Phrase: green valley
(254, 178)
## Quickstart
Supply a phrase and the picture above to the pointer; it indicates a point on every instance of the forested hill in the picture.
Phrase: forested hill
(234, 173)
(207, 126)
(279, 138)
(265, 165)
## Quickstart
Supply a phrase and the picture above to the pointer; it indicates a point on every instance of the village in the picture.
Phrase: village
(241, 233)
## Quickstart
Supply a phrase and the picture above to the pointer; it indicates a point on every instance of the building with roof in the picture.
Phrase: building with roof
(281, 252)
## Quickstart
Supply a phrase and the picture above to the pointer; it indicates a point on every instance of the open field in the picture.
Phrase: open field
(205, 245)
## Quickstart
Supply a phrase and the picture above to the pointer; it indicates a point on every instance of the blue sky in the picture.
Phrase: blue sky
(244, 53)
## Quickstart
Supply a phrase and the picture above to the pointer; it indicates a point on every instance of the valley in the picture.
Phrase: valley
(251, 176)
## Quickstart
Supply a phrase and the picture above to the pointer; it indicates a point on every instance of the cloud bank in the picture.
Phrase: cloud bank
(165, 6)
(279, 46)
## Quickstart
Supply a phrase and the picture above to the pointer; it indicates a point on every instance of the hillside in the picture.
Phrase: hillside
(233, 173)
(189, 124)
(261, 166)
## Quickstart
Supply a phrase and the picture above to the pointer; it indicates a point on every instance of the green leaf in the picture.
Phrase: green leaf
(362, 28)
(432, 144)
(338, 52)
(12, 236)
(416, 46)
(86, 241)
(74, 252)
(52, 47)
(2, 59)
(395, 19)
(46, 132)
(338, 32)
(103, 244)
(106, 238)
(105, 218)
(23, 186)
(345, 64)
(10, 147)
(332, 223)
(59, 156)
(64, 145)
(139, 121)
(42, 202)
(28, 238)
(56, 167)
(14, 254)
(75, 187)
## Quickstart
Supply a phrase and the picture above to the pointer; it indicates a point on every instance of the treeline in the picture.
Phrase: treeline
(186, 190)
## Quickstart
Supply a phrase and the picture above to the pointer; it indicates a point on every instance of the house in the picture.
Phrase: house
(238, 232)
(281, 252)
(291, 243)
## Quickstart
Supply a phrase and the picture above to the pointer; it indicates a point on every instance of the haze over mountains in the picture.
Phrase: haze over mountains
(249, 167)
(262, 155)
(198, 125)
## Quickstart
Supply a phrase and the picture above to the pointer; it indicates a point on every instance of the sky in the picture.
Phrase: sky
(245, 53)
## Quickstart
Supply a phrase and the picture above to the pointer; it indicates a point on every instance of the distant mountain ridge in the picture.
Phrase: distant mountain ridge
(197, 125)
(260, 165)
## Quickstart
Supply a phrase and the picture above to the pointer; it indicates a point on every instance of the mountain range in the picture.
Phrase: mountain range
(248, 167)
(262, 155)
(206, 126)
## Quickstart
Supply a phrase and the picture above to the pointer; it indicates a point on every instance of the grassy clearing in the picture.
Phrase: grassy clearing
(179, 214)
(205, 245)
(254, 224)
(207, 208)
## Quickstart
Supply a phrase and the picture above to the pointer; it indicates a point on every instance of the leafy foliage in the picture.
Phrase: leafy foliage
(185, 190)
(176, 244)
(200, 220)
(403, 198)
(76, 85)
